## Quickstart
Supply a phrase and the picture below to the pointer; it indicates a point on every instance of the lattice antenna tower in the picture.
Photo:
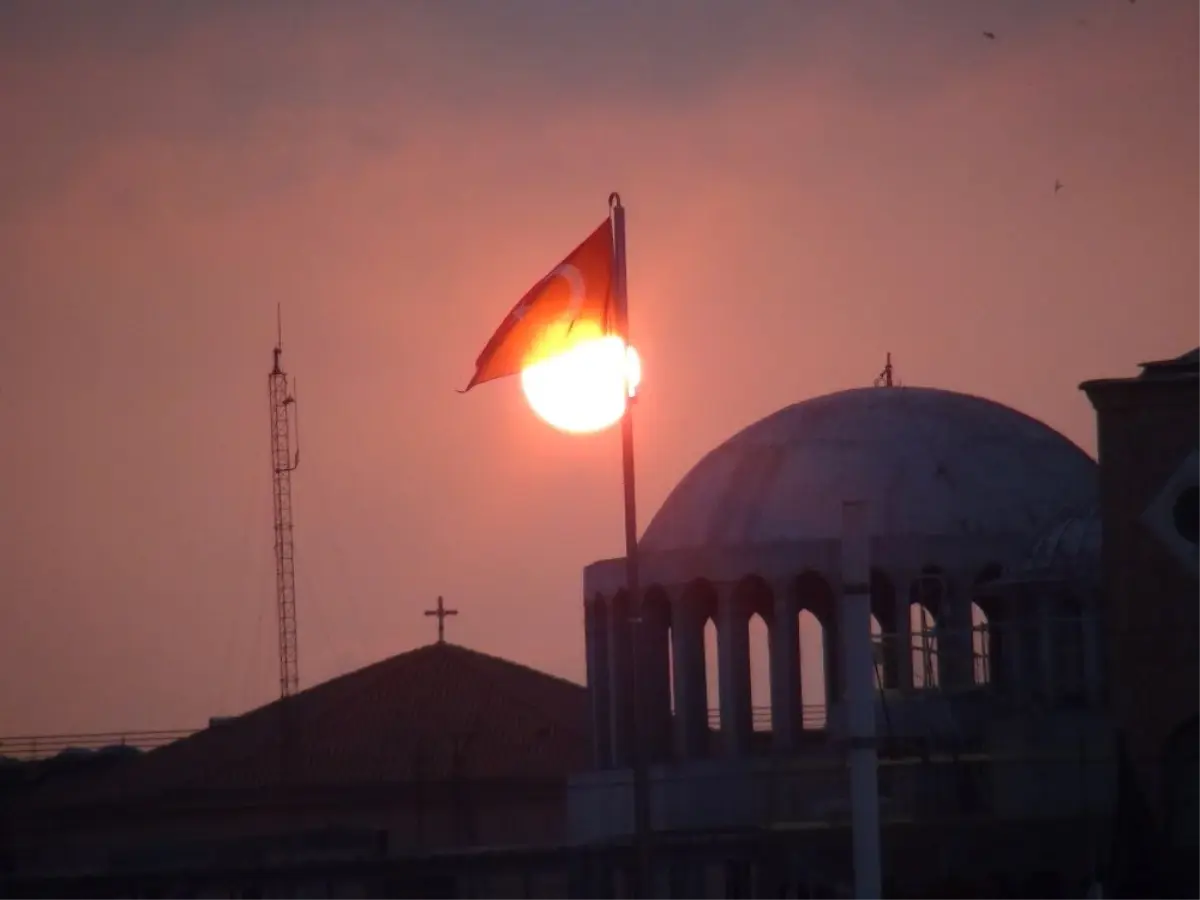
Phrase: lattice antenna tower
(285, 457)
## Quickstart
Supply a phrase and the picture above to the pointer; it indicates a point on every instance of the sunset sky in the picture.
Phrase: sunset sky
(810, 184)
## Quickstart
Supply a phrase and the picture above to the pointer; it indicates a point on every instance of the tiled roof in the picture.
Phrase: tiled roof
(429, 714)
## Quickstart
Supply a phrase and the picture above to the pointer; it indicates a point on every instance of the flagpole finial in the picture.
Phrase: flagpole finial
(614, 200)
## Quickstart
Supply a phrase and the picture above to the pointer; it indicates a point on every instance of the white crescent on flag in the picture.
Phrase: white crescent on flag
(575, 284)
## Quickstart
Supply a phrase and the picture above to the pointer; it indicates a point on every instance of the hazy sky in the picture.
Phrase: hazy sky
(810, 185)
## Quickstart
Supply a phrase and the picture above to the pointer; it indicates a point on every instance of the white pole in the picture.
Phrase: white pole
(860, 699)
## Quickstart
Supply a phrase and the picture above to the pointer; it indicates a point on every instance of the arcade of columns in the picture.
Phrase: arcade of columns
(675, 618)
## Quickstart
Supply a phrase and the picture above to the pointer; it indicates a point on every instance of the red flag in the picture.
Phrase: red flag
(570, 305)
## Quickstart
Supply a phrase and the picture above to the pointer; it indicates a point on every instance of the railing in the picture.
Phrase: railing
(812, 716)
(813, 790)
(32, 747)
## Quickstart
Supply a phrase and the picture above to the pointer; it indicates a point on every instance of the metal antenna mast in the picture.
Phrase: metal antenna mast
(284, 460)
(885, 377)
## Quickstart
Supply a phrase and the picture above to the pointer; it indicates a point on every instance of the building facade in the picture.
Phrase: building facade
(989, 665)
(1032, 612)
(1149, 432)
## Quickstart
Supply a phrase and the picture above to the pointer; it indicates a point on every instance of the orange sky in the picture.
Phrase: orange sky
(809, 185)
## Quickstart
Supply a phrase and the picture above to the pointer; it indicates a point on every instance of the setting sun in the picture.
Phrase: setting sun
(583, 389)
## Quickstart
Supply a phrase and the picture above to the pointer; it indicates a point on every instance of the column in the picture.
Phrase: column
(956, 654)
(655, 672)
(691, 681)
(832, 643)
(737, 878)
(595, 619)
(1017, 639)
(678, 878)
(1008, 636)
(772, 880)
(883, 605)
(1093, 672)
(1045, 644)
(604, 881)
(733, 662)
(855, 606)
(787, 712)
(620, 682)
(904, 581)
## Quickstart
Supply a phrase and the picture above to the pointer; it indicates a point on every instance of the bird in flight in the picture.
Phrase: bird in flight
(990, 35)
(1058, 185)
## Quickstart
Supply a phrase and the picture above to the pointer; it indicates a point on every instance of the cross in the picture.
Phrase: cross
(441, 612)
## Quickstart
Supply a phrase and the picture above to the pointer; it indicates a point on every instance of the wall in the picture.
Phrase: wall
(251, 828)
(1147, 428)
(1038, 771)
(1055, 764)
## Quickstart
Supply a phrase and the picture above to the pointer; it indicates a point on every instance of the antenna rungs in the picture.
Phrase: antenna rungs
(285, 457)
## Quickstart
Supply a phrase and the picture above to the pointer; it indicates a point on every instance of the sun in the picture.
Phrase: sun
(583, 389)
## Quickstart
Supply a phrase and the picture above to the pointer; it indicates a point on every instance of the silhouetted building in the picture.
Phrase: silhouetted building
(430, 752)
(1016, 589)
(984, 596)
(1149, 432)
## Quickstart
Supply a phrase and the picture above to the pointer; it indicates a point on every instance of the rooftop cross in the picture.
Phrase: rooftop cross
(441, 612)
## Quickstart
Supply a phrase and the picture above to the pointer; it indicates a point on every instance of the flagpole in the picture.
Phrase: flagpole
(641, 805)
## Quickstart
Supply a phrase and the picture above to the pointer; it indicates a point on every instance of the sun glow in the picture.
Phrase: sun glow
(583, 389)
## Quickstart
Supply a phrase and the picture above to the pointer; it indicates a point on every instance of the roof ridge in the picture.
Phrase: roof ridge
(473, 656)
(513, 664)
(362, 679)
(369, 675)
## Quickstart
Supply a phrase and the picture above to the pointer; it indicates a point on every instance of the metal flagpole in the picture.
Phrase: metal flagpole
(641, 805)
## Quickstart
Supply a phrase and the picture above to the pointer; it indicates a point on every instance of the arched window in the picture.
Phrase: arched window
(760, 672)
(981, 646)
(1068, 656)
(712, 670)
(820, 676)
(878, 653)
(925, 605)
(812, 669)
(924, 647)
(988, 626)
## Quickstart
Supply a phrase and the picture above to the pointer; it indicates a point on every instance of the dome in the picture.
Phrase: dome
(930, 462)
(1069, 549)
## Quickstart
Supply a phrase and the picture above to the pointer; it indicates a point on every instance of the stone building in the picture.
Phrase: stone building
(983, 526)
(1149, 431)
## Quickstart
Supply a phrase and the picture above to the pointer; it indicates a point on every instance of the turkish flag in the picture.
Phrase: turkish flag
(570, 305)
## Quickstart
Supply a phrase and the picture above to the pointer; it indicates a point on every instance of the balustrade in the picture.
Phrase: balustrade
(33, 747)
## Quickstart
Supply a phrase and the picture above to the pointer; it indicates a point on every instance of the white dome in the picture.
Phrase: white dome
(929, 462)
(1070, 550)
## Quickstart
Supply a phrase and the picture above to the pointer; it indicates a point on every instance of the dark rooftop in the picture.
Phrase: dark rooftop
(1188, 363)
(434, 713)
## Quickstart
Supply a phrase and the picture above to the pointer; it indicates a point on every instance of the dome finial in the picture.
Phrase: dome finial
(885, 377)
